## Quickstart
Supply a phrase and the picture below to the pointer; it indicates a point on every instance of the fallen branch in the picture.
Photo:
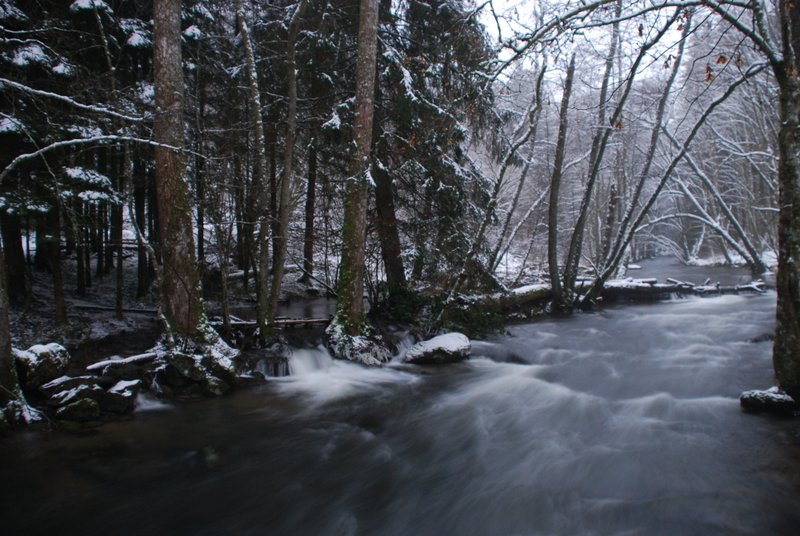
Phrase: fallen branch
(91, 307)
(134, 359)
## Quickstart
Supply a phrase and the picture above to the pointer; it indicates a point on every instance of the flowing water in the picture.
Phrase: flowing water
(623, 421)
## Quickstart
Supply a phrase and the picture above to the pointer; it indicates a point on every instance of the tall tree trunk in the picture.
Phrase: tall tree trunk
(180, 285)
(350, 287)
(261, 168)
(80, 236)
(311, 197)
(388, 234)
(559, 300)
(8, 376)
(15, 256)
(99, 238)
(279, 251)
(142, 265)
(786, 350)
(54, 253)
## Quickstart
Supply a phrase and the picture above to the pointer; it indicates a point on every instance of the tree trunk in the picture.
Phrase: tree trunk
(261, 168)
(386, 224)
(80, 237)
(8, 376)
(559, 299)
(786, 350)
(350, 288)
(281, 244)
(15, 256)
(99, 239)
(180, 285)
(311, 196)
(54, 253)
(142, 266)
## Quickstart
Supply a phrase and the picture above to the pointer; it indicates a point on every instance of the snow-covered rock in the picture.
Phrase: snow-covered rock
(69, 396)
(41, 363)
(447, 348)
(367, 350)
(65, 383)
(772, 400)
(121, 397)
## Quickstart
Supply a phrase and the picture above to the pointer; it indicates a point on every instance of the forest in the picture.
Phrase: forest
(409, 159)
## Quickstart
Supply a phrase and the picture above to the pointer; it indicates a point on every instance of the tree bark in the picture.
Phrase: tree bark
(311, 197)
(15, 256)
(350, 288)
(54, 253)
(8, 376)
(261, 169)
(786, 350)
(386, 224)
(284, 209)
(555, 183)
(142, 266)
(180, 285)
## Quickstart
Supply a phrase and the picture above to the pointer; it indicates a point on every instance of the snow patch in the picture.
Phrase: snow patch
(10, 11)
(443, 348)
(10, 125)
(64, 69)
(123, 387)
(82, 5)
(88, 176)
(30, 54)
(334, 123)
(193, 32)
(139, 39)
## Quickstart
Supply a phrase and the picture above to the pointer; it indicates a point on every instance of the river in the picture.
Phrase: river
(621, 421)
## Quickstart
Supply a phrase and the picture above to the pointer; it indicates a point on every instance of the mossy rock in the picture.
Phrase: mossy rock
(83, 410)
(213, 386)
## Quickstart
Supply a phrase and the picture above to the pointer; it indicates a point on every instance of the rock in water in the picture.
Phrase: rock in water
(121, 398)
(448, 348)
(773, 400)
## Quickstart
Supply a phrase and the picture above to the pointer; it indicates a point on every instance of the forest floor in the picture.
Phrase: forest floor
(93, 331)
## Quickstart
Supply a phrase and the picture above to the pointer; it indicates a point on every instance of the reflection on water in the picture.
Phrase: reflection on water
(624, 421)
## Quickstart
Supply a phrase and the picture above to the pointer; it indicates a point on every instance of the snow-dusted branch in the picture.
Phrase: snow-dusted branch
(72, 102)
(79, 141)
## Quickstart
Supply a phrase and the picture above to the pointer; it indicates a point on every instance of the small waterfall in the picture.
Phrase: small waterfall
(273, 367)
(309, 360)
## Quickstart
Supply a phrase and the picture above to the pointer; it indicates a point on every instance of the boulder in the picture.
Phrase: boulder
(80, 392)
(213, 386)
(41, 363)
(773, 400)
(65, 383)
(121, 398)
(447, 348)
(82, 411)
(219, 366)
(369, 350)
(188, 366)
